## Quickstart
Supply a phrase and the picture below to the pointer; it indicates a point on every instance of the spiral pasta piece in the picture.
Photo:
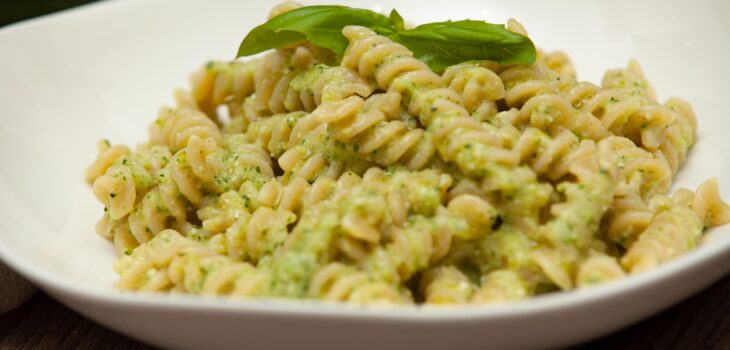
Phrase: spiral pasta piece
(525, 82)
(424, 240)
(626, 105)
(284, 80)
(304, 147)
(253, 236)
(222, 83)
(446, 285)
(627, 218)
(338, 282)
(639, 171)
(391, 197)
(410, 249)
(707, 204)
(218, 212)
(633, 116)
(354, 222)
(670, 233)
(557, 61)
(505, 260)
(411, 78)
(216, 275)
(535, 90)
(251, 223)
(478, 86)
(680, 135)
(174, 127)
(263, 210)
(677, 226)
(106, 156)
(202, 167)
(145, 268)
(365, 125)
(280, 132)
(173, 262)
(501, 286)
(273, 94)
(304, 90)
(568, 235)
(127, 178)
(472, 217)
(329, 84)
(296, 195)
(283, 7)
(552, 157)
(306, 251)
(272, 84)
(630, 79)
(318, 156)
(184, 180)
(465, 185)
(641, 175)
(597, 269)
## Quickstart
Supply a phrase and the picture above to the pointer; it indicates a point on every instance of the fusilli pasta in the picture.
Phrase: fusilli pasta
(677, 225)
(378, 180)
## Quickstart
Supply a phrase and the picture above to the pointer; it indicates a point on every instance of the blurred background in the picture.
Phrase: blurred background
(17, 10)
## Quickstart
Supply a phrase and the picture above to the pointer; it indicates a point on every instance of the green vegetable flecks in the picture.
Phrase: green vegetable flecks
(438, 44)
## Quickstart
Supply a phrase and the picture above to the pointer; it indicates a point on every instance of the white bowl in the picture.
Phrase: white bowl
(67, 80)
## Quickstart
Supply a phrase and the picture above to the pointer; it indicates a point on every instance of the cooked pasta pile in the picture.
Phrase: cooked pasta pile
(380, 181)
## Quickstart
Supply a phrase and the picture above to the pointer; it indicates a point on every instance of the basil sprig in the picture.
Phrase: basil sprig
(438, 44)
(443, 44)
(320, 25)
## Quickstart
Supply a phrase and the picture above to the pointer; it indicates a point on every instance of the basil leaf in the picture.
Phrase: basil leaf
(320, 25)
(444, 44)
(396, 20)
(438, 44)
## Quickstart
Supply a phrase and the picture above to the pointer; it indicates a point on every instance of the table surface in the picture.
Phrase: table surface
(700, 322)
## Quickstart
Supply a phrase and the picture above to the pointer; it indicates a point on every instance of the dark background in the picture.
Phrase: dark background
(701, 322)
(16, 10)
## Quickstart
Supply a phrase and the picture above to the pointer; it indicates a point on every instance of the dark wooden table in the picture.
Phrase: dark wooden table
(701, 322)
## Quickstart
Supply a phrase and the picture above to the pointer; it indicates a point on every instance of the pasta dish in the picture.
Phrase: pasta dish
(381, 174)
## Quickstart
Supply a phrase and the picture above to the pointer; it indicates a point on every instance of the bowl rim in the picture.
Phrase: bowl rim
(556, 301)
